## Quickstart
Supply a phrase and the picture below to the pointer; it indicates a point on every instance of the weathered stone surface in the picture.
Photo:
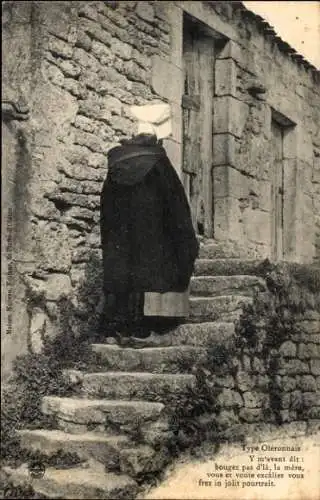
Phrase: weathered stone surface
(60, 48)
(307, 383)
(83, 41)
(258, 365)
(211, 308)
(86, 60)
(75, 483)
(226, 267)
(310, 399)
(226, 285)
(307, 351)
(245, 382)
(294, 367)
(253, 399)
(288, 349)
(251, 414)
(141, 460)
(226, 381)
(58, 285)
(145, 11)
(201, 334)
(102, 448)
(37, 329)
(100, 411)
(288, 383)
(157, 359)
(54, 251)
(229, 398)
(139, 385)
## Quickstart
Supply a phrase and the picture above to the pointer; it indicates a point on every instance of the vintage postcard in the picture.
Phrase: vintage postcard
(160, 251)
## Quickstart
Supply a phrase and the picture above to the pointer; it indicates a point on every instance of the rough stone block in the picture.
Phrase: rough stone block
(315, 366)
(204, 308)
(134, 72)
(251, 414)
(294, 366)
(307, 383)
(311, 399)
(83, 41)
(104, 449)
(258, 365)
(224, 149)
(71, 483)
(88, 11)
(225, 77)
(145, 10)
(58, 285)
(201, 334)
(288, 349)
(70, 68)
(231, 50)
(60, 48)
(287, 399)
(86, 60)
(253, 399)
(227, 214)
(307, 351)
(121, 49)
(226, 285)
(226, 381)
(229, 398)
(55, 75)
(167, 80)
(149, 386)
(148, 359)
(230, 116)
(95, 31)
(288, 383)
(141, 460)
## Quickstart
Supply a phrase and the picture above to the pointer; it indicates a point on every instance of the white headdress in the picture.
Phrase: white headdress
(153, 119)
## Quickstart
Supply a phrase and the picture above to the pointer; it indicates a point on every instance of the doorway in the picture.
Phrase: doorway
(277, 191)
(197, 104)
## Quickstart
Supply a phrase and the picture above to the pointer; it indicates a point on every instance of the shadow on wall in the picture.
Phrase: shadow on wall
(82, 315)
(74, 316)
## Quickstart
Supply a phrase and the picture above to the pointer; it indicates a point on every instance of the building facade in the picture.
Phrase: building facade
(245, 141)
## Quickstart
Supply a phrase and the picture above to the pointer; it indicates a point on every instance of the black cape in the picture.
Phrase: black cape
(147, 236)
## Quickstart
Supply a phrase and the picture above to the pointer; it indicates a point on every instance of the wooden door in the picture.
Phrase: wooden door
(277, 191)
(197, 104)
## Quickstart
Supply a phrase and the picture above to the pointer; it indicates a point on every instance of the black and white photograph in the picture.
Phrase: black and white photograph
(160, 250)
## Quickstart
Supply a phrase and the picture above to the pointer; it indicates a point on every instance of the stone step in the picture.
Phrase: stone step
(202, 334)
(150, 359)
(211, 249)
(131, 385)
(215, 308)
(80, 483)
(226, 285)
(227, 267)
(98, 446)
(77, 415)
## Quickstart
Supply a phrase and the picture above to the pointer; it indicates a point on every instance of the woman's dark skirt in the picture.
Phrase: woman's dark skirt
(123, 314)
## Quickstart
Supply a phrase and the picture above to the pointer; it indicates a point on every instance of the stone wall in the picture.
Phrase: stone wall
(80, 65)
(280, 387)
(255, 83)
(88, 62)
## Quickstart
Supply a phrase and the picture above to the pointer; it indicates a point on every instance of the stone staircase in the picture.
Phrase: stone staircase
(120, 401)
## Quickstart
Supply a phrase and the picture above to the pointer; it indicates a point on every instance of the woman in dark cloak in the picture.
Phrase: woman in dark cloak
(148, 242)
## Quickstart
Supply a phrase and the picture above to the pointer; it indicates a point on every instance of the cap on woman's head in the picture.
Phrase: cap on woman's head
(154, 119)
